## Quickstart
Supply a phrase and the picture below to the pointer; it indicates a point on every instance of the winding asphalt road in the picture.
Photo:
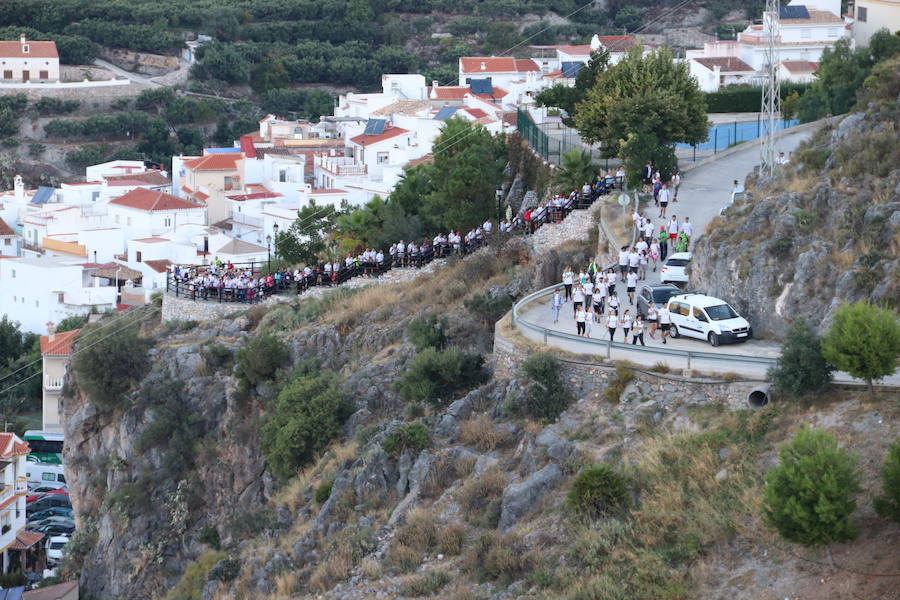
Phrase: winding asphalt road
(704, 191)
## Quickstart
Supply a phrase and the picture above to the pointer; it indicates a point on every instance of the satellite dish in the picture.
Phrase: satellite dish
(624, 200)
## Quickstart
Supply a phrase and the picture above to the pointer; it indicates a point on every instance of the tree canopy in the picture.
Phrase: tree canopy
(864, 341)
(639, 108)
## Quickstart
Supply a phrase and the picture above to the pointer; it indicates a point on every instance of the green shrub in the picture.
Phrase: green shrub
(209, 535)
(216, 355)
(801, 369)
(599, 490)
(190, 587)
(438, 376)
(107, 365)
(323, 492)
(805, 220)
(548, 397)
(426, 584)
(496, 557)
(306, 416)
(618, 382)
(428, 332)
(174, 427)
(888, 504)
(72, 323)
(365, 433)
(781, 247)
(13, 579)
(810, 496)
(227, 569)
(864, 341)
(260, 359)
(745, 98)
(488, 310)
(409, 436)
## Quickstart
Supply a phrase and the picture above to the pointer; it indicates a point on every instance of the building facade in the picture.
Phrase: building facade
(25, 60)
(56, 349)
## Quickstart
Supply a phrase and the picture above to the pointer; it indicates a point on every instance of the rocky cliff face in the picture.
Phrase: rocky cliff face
(826, 231)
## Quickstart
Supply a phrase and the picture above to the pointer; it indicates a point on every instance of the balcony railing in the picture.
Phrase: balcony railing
(21, 487)
(53, 383)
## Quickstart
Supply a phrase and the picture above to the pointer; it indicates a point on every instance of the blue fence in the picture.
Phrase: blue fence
(725, 135)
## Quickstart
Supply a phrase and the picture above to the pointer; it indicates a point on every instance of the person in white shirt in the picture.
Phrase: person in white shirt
(687, 228)
(599, 297)
(638, 331)
(648, 230)
(401, 253)
(642, 268)
(614, 301)
(633, 260)
(568, 278)
(665, 321)
(641, 246)
(782, 159)
(676, 183)
(556, 303)
(580, 318)
(623, 260)
(663, 199)
(652, 315)
(612, 321)
(631, 284)
(625, 322)
(578, 298)
(488, 227)
(611, 278)
(588, 289)
(737, 188)
(673, 232)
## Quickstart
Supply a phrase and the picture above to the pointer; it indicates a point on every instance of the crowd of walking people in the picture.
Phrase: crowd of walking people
(226, 282)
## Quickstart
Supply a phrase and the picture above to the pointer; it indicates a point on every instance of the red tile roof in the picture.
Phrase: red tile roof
(800, 66)
(35, 49)
(725, 63)
(152, 240)
(475, 112)
(458, 92)
(496, 64)
(26, 540)
(150, 201)
(328, 191)
(247, 146)
(581, 50)
(11, 445)
(81, 183)
(215, 162)
(145, 178)
(61, 345)
(160, 266)
(255, 196)
(367, 139)
(6, 229)
(617, 42)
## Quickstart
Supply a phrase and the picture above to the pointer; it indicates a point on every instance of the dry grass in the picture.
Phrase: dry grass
(496, 557)
(480, 498)
(287, 583)
(419, 531)
(446, 469)
(371, 569)
(451, 539)
(332, 570)
(480, 432)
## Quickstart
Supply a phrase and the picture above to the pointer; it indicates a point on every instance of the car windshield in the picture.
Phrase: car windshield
(721, 312)
(57, 545)
(662, 296)
(676, 262)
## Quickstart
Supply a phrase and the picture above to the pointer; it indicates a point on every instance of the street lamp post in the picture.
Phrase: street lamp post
(269, 253)
(499, 194)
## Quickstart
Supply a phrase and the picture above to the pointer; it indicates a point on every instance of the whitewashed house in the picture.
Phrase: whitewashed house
(13, 491)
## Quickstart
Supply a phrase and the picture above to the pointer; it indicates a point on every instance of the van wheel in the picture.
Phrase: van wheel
(673, 331)
(713, 339)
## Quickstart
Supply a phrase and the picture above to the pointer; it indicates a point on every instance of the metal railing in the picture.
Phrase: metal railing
(608, 345)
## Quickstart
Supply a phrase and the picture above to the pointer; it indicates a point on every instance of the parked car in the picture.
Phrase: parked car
(658, 293)
(37, 495)
(48, 502)
(56, 529)
(707, 318)
(55, 511)
(52, 521)
(55, 547)
(45, 475)
(674, 268)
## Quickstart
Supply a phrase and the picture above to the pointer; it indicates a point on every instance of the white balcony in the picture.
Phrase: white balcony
(53, 384)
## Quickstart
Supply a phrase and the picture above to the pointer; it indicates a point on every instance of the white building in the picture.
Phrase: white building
(144, 213)
(13, 491)
(37, 291)
(9, 240)
(501, 71)
(869, 16)
(56, 349)
(28, 61)
(804, 30)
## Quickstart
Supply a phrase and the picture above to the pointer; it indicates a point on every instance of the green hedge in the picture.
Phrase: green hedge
(745, 98)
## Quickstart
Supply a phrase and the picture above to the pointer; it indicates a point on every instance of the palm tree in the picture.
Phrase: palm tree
(575, 169)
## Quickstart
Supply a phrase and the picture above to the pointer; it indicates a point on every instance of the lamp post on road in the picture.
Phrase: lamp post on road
(269, 253)
(499, 194)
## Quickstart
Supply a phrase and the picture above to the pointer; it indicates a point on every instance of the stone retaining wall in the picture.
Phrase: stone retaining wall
(185, 309)
(588, 380)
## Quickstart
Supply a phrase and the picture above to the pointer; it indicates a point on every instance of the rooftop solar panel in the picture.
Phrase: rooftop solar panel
(571, 69)
(375, 126)
(445, 113)
(793, 12)
(482, 86)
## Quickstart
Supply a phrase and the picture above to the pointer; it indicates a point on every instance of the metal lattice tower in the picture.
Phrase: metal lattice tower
(771, 90)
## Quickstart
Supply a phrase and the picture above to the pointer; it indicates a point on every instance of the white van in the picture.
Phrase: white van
(707, 318)
(45, 475)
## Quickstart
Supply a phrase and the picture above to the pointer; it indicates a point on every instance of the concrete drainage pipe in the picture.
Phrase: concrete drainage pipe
(759, 397)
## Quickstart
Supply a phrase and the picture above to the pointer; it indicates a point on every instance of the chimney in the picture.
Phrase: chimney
(483, 66)
(51, 326)
(22, 38)
(435, 83)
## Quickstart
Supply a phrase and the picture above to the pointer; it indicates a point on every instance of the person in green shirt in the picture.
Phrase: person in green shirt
(663, 242)
(681, 244)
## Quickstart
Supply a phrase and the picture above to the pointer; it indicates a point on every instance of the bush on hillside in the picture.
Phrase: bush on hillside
(108, 365)
(488, 310)
(864, 341)
(409, 436)
(438, 376)
(195, 576)
(888, 504)
(428, 332)
(260, 359)
(801, 369)
(547, 397)
(810, 496)
(598, 491)
(306, 416)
